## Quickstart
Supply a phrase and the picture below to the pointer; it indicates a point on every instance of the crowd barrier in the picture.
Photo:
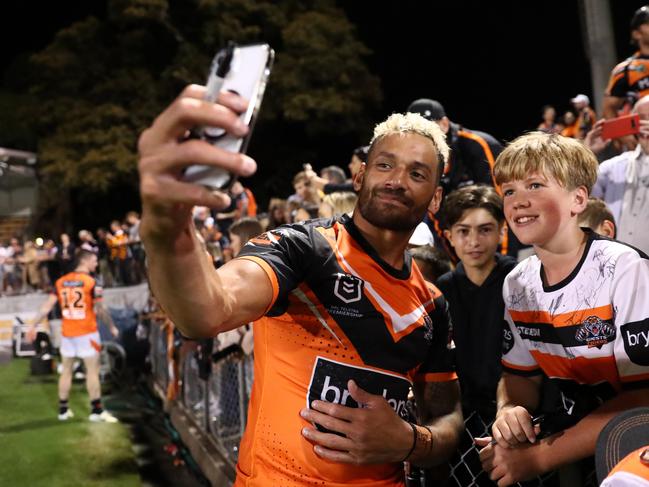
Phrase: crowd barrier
(212, 398)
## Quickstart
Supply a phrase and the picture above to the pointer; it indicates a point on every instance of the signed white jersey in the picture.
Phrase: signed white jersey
(591, 329)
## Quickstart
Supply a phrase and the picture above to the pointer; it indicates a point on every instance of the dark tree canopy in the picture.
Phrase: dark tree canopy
(101, 81)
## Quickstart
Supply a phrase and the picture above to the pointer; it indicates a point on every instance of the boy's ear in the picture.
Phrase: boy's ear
(607, 228)
(580, 200)
(502, 230)
(447, 234)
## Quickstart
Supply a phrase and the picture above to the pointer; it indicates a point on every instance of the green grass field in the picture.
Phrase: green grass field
(36, 449)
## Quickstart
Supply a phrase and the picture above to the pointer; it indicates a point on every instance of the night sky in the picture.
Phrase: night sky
(493, 64)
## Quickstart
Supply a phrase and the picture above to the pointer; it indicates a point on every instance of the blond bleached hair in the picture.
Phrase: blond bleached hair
(564, 159)
(412, 123)
(341, 201)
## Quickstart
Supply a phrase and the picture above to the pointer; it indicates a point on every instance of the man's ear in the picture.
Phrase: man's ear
(358, 179)
(434, 204)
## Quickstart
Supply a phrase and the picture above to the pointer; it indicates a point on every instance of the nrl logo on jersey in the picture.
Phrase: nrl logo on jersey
(595, 332)
(348, 288)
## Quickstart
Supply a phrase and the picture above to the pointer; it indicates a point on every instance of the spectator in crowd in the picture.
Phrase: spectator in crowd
(472, 157)
(570, 312)
(119, 253)
(623, 183)
(87, 241)
(289, 272)
(12, 269)
(51, 262)
(549, 125)
(629, 80)
(333, 177)
(569, 125)
(421, 236)
(472, 152)
(245, 202)
(243, 230)
(303, 212)
(135, 245)
(277, 213)
(103, 254)
(66, 253)
(30, 261)
(598, 217)
(4, 252)
(336, 204)
(432, 262)
(585, 116)
(622, 454)
(202, 217)
(80, 300)
(359, 156)
(305, 193)
(474, 225)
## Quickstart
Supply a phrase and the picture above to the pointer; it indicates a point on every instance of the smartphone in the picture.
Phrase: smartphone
(621, 126)
(243, 70)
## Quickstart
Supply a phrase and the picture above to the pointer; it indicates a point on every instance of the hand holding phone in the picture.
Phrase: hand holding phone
(616, 128)
(242, 70)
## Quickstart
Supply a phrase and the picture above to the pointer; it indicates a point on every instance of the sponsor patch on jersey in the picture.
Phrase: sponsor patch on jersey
(348, 288)
(636, 341)
(72, 283)
(595, 332)
(329, 383)
(508, 339)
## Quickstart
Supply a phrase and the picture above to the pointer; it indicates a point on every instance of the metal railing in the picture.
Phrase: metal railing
(219, 404)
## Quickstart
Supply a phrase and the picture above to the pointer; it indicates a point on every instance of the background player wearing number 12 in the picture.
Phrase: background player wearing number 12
(80, 299)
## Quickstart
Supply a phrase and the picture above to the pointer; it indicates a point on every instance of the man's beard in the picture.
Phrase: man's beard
(398, 221)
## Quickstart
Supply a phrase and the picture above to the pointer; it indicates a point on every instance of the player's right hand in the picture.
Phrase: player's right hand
(165, 152)
(513, 426)
(30, 334)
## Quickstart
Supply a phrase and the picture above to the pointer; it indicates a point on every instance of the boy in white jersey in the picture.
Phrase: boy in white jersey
(577, 315)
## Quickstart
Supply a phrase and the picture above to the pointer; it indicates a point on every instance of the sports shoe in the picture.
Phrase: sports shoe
(103, 417)
(66, 415)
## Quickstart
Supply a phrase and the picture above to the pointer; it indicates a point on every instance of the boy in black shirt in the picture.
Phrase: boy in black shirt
(474, 225)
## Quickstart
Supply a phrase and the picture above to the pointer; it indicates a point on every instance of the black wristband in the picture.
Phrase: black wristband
(414, 441)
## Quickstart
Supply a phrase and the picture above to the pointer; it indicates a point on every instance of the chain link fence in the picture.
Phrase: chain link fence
(219, 405)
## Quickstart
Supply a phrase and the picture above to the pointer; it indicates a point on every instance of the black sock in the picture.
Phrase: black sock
(63, 406)
(96, 406)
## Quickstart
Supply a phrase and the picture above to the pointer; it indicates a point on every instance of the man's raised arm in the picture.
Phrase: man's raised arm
(200, 300)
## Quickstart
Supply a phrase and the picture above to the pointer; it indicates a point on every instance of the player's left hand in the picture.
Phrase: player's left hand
(506, 466)
(373, 432)
(115, 331)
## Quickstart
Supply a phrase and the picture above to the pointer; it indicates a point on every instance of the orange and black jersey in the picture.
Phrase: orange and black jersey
(472, 157)
(77, 293)
(339, 312)
(630, 77)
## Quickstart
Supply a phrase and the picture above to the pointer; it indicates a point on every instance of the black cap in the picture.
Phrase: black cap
(625, 433)
(641, 16)
(427, 108)
(361, 152)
